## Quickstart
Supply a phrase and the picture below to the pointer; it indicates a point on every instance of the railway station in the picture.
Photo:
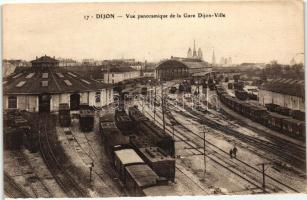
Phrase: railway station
(110, 111)
(145, 145)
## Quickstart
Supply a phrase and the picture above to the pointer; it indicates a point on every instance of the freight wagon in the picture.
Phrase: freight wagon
(123, 122)
(134, 173)
(159, 161)
(150, 132)
(113, 140)
(64, 115)
(86, 120)
(281, 123)
(13, 138)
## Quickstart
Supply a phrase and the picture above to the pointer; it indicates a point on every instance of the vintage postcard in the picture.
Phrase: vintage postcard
(153, 99)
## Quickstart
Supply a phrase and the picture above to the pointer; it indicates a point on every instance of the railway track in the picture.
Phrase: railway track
(276, 149)
(36, 184)
(12, 189)
(237, 167)
(61, 175)
(95, 158)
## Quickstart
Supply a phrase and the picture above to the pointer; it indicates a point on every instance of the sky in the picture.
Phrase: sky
(250, 32)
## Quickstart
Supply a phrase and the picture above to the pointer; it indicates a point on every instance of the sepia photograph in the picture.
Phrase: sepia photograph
(153, 99)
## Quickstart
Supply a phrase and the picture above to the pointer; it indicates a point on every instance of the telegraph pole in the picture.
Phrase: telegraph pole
(91, 169)
(263, 178)
(205, 163)
(163, 110)
(174, 131)
(207, 97)
(155, 99)
(263, 174)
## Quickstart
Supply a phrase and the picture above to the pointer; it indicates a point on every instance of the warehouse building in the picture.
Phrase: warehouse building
(179, 68)
(44, 85)
(287, 93)
(115, 74)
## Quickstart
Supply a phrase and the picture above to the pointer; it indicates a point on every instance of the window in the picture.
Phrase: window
(21, 83)
(67, 82)
(30, 75)
(74, 75)
(45, 83)
(12, 102)
(60, 75)
(85, 81)
(112, 75)
(45, 75)
(97, 97)
(112, 81)
(16, 76)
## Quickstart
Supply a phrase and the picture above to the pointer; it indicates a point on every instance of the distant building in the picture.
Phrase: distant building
(194, 54)
(115, 74)
(44, 62)
(7, 68)
(189, 55)
(42, 87)
(17, 62)
(225, 62)
(200, 54)
(91, 62)
(67, 62)
(288, 93)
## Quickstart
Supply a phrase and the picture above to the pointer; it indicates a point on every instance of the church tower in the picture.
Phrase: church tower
(200, 54)
(194, 51)
(189, 53)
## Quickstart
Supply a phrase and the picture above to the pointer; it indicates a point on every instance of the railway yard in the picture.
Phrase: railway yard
(140, 147)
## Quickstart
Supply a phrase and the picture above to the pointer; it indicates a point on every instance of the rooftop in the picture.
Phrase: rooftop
(50, 80)
(290, 87)
(185, 63)
(143, 175)
(128, 156)
(120, 69)
(45, 59)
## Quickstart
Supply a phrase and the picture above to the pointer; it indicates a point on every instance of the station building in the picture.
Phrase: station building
(44, 85)
(180, 68)
(287, 93)
(115, 74)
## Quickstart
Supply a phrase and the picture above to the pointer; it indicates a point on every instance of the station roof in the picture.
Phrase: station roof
(128, 156)
(53, 80)
(143, 175)
(182, 63)
(290, 87)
